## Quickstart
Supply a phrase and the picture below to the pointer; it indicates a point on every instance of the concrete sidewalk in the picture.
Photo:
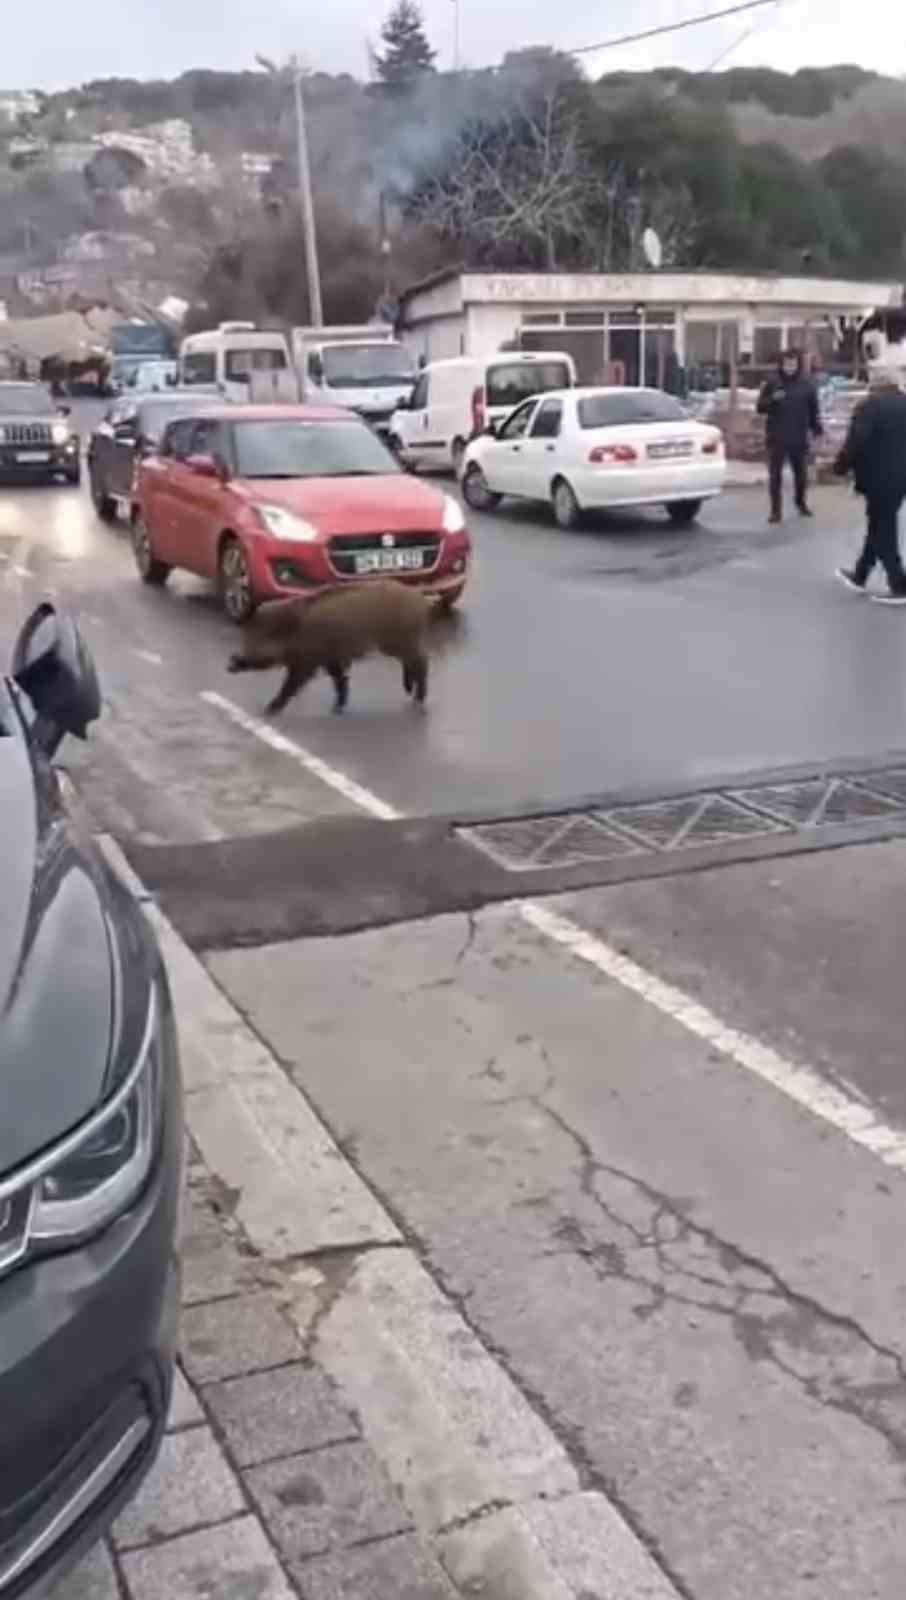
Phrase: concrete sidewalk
(576, 1290)
(338, 1428)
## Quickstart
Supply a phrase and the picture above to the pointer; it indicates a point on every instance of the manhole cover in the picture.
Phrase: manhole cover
(697, 820)
(547, 842)
(820, 802)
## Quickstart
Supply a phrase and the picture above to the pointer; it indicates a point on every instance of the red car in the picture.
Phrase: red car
(276, 502)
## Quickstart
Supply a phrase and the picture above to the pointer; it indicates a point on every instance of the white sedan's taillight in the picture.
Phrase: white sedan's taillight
(713, 445)
(610, 455)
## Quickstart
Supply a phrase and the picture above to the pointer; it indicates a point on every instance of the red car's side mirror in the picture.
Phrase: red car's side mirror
(207, 467)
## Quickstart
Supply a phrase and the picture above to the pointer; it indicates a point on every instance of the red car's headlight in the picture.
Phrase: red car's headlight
(453, 518)
(282, 524)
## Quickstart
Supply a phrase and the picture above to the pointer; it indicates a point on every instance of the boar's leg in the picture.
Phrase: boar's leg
(296, 679)
(340, 677)
(415, 678)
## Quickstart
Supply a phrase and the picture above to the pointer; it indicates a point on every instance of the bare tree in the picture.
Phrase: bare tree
(518, 183)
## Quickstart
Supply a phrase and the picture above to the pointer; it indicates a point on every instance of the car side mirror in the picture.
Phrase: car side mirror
(208, 467)
(53, 667)
(491, 430)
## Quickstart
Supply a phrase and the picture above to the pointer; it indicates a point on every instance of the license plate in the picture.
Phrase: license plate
(30, 457)
(389, 561)
(669, 449)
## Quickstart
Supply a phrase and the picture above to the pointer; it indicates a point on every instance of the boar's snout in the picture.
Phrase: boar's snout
(237, 663)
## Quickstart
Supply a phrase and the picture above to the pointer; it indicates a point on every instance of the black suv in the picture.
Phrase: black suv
(36, 441)
(91, 1142)
(131, 429)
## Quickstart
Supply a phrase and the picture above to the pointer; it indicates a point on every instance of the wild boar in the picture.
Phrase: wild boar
(333, 629)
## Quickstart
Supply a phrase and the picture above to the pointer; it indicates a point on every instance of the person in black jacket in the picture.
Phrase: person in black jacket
(875, 454)
(789, 403)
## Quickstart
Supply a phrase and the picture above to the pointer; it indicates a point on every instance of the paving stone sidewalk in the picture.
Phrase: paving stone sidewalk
(265, 1488)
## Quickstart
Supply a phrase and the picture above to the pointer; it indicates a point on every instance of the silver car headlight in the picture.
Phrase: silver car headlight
(95, 1174)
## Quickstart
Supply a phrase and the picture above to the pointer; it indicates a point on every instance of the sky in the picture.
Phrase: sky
(72, 42)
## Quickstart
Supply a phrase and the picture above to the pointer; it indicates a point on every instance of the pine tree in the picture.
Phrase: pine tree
(407, 51)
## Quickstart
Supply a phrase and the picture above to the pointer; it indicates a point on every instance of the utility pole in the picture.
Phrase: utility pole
(312, 269)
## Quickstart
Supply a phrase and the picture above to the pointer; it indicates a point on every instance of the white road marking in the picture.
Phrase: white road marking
(850, 1115)
(150, 656)
(352, 791)
(853, 1117)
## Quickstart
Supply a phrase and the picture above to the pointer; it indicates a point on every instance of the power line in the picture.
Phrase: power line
(670, 27)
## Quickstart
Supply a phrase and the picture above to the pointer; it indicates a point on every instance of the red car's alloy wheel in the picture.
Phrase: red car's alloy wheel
(236, 590)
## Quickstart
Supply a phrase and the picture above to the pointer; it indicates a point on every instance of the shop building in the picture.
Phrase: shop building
(663, 328)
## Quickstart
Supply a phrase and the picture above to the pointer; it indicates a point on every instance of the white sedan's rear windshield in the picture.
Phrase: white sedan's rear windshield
(310, 450)
(513, 381)
(639, 405)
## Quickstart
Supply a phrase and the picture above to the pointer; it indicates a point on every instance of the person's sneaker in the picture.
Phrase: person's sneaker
(893, 597)
(775, 517)
(849, 578)
(805, 511)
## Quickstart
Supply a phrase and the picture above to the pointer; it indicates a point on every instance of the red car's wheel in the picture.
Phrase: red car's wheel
(235, 581)
(150, 569)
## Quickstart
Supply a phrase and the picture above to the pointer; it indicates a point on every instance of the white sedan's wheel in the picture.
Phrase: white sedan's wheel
(476, 490)
(567, 511)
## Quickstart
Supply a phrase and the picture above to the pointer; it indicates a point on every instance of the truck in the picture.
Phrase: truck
(362, 368)
(132, 344)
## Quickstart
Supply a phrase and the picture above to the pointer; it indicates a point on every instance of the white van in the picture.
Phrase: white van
(228, 359)
(455, 400)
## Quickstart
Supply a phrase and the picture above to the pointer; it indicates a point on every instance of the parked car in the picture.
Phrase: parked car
(281, 501)
(457, 399)
(37, 443)
(130, 429)
(91, 1145)
(587, 449)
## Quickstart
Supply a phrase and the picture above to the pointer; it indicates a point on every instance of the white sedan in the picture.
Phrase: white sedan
(584, 449)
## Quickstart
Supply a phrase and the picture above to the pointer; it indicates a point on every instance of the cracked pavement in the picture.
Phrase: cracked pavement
(676, 1266)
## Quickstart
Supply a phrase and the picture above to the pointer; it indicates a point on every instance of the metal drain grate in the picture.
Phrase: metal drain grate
(891, 782)
(710, 819)
(820, 802)
(546, 842)
(700, 819)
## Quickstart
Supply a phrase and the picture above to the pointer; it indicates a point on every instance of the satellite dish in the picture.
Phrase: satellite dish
(651, 246)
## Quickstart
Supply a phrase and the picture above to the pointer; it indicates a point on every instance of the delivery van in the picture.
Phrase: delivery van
(454, 400)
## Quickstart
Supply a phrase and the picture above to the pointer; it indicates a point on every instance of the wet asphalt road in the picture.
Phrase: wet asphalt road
(626, 655)
(697, 1280)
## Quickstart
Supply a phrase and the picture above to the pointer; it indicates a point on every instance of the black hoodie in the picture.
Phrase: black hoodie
(790, 406)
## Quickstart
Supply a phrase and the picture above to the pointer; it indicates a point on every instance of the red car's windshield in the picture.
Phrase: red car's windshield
(290, 449)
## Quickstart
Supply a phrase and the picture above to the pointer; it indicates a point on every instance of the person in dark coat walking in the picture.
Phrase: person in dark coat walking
(789, 403)
(875, 454)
